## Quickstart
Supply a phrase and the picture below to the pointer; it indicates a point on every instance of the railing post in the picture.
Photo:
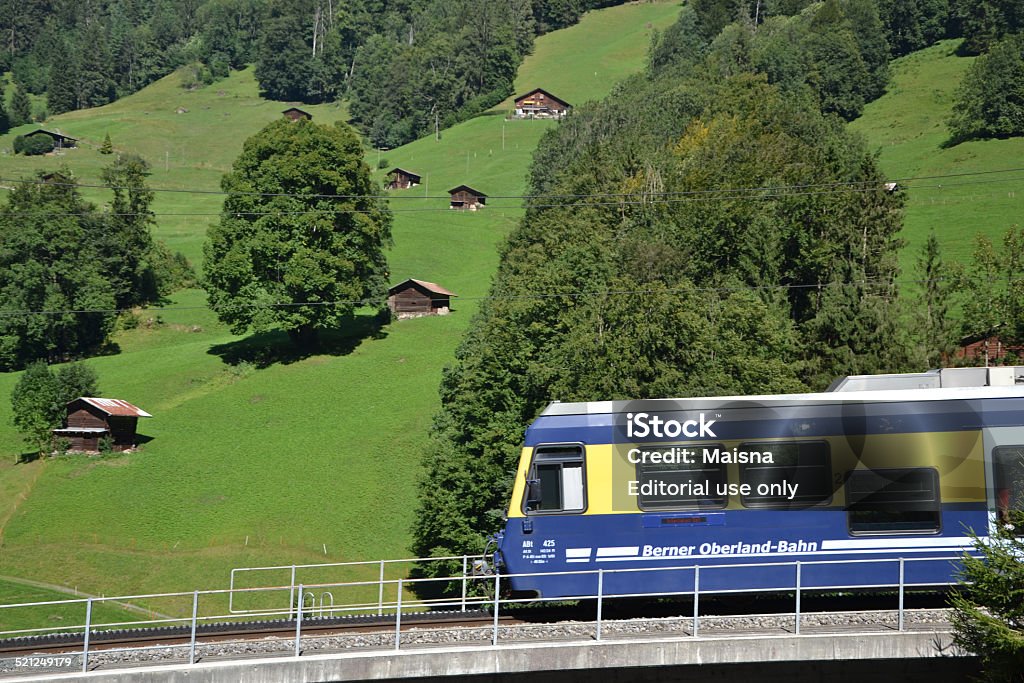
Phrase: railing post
(901, 596)
(797, 630)
(600, 599)
(380, 591)
(497, 598)
(291, 591)
(398, 617)
(696, 595)
(85, 642)
(195, 616)
(298, 623)
(465, 569)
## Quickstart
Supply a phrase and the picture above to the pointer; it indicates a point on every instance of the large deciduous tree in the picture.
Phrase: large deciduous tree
(302, 234)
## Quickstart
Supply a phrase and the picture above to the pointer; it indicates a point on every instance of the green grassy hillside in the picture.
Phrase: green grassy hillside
(256, 456)
(907, 126)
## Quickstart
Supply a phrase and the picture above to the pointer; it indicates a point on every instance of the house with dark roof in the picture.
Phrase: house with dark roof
(466, 198)
(60, 141)
(540, 104)
(401, 179)
(414, 298)
(92, 421)
(296, 114)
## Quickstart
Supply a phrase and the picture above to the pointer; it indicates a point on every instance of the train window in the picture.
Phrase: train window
(893, 501)
(555, 483)
(1008, 465)
(799, 475)
(682, 485)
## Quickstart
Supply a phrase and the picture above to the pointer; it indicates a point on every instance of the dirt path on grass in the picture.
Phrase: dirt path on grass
(79, 594)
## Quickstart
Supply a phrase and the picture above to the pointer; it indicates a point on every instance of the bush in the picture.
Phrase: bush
(33, 145)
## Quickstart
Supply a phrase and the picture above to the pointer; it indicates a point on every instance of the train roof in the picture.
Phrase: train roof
(934, 385)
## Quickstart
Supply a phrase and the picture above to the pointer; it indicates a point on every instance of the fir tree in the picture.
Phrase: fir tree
(60, 91)
(21, 107)
(988, 608)
(107, 147)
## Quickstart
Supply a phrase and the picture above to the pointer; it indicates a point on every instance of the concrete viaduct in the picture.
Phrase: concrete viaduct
(909, 656)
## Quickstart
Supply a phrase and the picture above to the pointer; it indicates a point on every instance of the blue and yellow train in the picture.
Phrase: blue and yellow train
(878, 467)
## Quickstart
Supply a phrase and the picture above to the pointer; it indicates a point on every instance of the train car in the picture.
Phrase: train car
(879, 480)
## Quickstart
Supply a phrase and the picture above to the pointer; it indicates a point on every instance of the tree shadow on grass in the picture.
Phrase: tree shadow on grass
(270, 348)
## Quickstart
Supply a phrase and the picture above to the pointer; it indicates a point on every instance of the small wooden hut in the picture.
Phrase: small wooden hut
(466, 198)
(91, 420)
(413, 298)
(60, 141)
(401, 179)
(540, 104)
(296, 114)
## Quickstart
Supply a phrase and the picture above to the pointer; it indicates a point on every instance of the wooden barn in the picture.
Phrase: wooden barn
(413, 298)
(91, 420)
(60, 141)
(296, 114)
(540, 104)
(401, 179)
(987, 349)
(465, 198)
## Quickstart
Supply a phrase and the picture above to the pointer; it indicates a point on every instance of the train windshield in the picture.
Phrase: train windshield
(556, 480)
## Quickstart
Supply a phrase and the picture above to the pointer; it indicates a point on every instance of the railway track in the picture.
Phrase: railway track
(100, 640)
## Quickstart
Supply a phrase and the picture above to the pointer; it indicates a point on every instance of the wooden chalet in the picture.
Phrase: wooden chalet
(60, 141)
(540, 104)
(401, 179)
(91, 420)
(414, 298)
(987, 349)
(466, 198)
(296, 114)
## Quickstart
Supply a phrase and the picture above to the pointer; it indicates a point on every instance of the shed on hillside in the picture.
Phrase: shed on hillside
(296, 114)
(414, 298)
(60, 141)
(987, 348)
(401, 179)
(540, 104)
(90, 420)
(465, 197)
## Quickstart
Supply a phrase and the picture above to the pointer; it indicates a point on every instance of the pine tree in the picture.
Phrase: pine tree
(937, 287)
(107, 147)
(61, 91)
(21, 107)
(988, 607)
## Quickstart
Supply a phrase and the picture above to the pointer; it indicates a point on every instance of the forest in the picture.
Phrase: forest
(719, 231)
(408, 68)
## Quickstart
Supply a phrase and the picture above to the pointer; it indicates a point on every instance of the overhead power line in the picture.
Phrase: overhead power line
(779, 192)
(871, 185)
(497, 297)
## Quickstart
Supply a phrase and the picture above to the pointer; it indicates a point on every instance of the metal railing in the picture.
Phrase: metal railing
(405, 604)
(467, 561)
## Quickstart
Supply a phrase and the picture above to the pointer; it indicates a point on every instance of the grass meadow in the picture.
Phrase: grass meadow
(907, 127)
(256, 456)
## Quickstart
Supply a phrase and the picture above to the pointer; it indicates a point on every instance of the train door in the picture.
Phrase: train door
(1004, 470)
